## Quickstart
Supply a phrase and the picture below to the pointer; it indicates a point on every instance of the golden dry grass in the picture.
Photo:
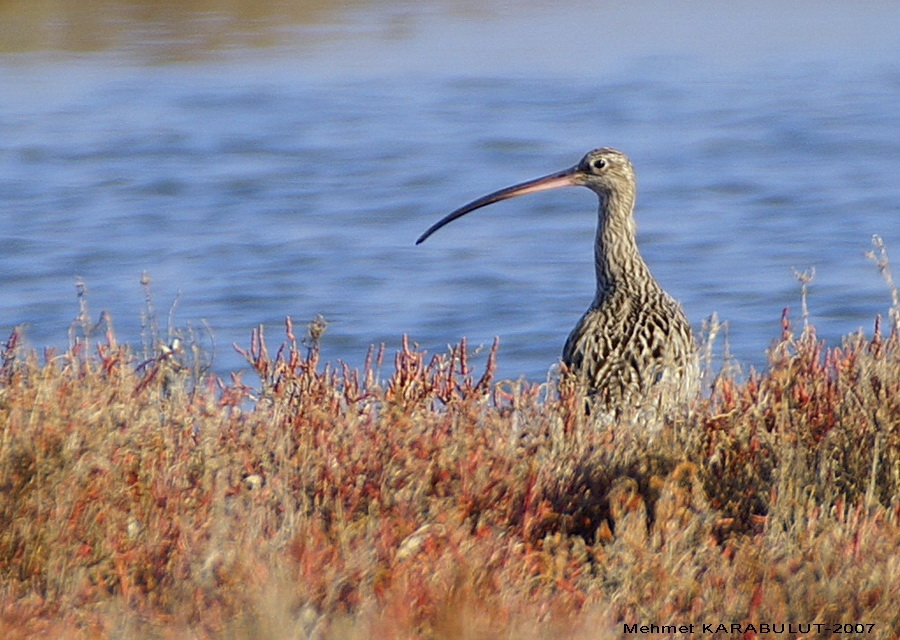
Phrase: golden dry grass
(142, 500)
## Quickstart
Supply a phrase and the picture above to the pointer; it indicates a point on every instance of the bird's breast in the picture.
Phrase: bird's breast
(626, 343)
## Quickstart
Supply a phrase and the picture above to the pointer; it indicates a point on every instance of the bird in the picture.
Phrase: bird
(633, 347)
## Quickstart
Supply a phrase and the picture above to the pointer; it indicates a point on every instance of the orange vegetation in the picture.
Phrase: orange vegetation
(142, 499)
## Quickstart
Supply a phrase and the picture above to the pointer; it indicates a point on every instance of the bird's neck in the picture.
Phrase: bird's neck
(618, 262)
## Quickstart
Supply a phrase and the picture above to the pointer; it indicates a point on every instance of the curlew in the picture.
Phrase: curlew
(633, 346)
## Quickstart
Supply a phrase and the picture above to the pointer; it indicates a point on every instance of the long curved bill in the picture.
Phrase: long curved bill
(567, 178)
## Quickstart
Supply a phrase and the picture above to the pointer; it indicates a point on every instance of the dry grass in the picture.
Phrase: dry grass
(141, 499)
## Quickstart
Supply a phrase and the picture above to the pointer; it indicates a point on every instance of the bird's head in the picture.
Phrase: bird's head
(606, 172)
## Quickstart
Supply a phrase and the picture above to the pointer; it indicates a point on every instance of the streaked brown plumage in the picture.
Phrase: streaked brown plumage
(634, 343)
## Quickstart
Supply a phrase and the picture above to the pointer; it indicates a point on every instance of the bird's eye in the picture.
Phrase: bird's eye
(598, 164)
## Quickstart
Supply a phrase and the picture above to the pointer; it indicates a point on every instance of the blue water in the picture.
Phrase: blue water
(257, 183)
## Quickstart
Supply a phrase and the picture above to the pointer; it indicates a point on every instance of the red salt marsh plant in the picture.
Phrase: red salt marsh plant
(143, 498)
